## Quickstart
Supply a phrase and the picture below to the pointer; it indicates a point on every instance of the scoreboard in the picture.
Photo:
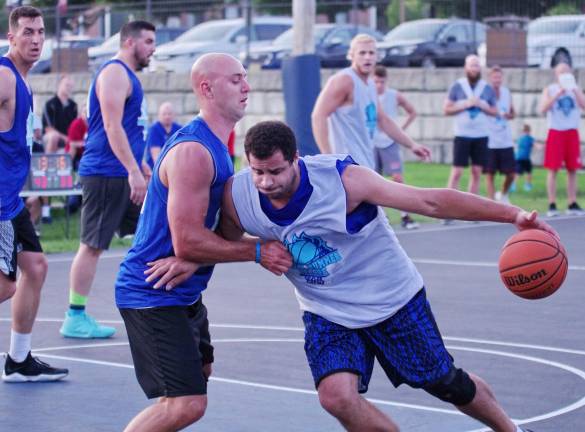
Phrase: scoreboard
(50, 172)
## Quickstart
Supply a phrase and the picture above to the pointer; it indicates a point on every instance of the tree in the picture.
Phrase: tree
(413, 9)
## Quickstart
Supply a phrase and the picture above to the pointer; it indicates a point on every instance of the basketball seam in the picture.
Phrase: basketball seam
(556, 245)
(533, 262)
(545, 281)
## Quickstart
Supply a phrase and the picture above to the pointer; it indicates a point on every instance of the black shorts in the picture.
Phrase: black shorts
(106, 209)
(500, 160)
(523, 166)
(16, 235)
(465, 149)
(169, 347)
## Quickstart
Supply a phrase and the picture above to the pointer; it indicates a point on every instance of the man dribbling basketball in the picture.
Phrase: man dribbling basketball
(325, 210)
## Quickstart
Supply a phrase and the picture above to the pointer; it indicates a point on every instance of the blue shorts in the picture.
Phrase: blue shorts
(408, 346)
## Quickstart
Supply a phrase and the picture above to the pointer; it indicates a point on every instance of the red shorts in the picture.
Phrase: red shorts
(562, 147)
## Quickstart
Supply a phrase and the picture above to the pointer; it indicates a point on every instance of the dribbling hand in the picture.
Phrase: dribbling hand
(529, 220)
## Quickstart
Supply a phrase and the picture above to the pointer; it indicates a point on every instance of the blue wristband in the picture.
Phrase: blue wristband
(258, 253)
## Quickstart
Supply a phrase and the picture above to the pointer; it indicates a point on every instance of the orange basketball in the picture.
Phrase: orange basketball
(533, 264)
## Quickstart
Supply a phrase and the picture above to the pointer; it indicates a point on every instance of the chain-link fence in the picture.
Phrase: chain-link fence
(508, 32)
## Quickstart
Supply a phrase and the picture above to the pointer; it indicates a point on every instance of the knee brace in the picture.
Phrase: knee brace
(456, 388)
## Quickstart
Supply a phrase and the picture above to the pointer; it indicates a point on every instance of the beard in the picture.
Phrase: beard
(473, 79)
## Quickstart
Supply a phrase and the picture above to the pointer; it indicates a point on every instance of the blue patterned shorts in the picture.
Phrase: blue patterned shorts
(408, 346)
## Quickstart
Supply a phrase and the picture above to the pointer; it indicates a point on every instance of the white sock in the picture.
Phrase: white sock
(403, 214)
(20, 344)
(46, 211)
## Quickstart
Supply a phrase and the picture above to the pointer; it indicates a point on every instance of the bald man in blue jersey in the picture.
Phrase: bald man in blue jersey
(168, 329)
(19, 244)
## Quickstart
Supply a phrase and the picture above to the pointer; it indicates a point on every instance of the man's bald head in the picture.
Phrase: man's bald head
(220, 86)
(166, 114)
(209, 66)
(472, 68)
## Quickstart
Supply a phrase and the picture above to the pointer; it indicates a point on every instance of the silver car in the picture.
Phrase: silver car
(225, 36)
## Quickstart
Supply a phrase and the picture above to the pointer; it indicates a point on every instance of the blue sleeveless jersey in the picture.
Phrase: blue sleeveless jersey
(98, 158)
(15, 148)
(153, 235)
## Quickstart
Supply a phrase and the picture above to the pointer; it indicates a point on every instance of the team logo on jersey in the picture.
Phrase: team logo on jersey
(473, 112)
(566, 104)
(371, 119)
(311, 256)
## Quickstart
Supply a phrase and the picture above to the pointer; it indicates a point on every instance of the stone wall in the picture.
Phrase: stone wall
(426, 89)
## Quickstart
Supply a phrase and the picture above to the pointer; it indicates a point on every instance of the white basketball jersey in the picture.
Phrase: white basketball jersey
(355, 280)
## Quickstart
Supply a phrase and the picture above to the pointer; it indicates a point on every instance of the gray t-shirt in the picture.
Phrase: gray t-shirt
(473, 122)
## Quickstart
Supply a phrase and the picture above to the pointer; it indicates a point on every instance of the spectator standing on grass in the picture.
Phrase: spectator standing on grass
(562, 102)
(525, 143)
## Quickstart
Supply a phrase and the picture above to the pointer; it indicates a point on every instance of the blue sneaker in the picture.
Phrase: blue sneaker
(513, 187)
(527, 187)
(83, 326)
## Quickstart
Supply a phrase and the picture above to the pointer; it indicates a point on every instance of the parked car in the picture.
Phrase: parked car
(556, 39)
(99, 54)
(44, 64)
(225, 36)
(331, 45)
(431, 42)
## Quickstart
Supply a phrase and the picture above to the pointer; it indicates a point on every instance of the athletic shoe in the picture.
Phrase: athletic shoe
(513, 187)
(527, 187)
(503, 198)
(552, 210)
(408, 223)
(83, 326)
(47, 220)
(575, 210)
(31, 370)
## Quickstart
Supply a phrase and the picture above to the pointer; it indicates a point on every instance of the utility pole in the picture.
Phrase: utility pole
(303, 25)
(301, 76)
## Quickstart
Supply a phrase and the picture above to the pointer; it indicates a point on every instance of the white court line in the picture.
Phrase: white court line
(473, 263)
(463, 225)
(62, 259)
(563, 410)
(301, 329)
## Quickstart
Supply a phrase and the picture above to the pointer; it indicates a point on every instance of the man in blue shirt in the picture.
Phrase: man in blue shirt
(19, 244)
(168, 329)
(160, 132)
(111, 169)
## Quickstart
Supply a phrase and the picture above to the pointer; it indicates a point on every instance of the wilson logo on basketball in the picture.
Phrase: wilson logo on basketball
(524, 279)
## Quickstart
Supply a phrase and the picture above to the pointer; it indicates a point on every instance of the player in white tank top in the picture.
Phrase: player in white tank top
(347, 111)
(325, 199)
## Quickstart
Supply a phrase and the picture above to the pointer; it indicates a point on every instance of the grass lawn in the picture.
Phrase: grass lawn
(54, 240)
(436, 175)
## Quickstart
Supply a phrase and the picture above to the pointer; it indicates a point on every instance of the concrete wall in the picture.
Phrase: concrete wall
(426, 89)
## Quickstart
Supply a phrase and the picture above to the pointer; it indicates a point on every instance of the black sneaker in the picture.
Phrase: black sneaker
(552, 210)
(31, 370)
(408, 223)
(575, 210)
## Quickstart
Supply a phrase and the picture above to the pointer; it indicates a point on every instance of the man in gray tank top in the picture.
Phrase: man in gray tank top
(325, 210)
(347, 110)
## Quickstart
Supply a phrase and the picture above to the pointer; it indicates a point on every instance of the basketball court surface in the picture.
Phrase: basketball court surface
(532, 353)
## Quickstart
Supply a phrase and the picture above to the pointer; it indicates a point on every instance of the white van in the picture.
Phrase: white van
(556, 39)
